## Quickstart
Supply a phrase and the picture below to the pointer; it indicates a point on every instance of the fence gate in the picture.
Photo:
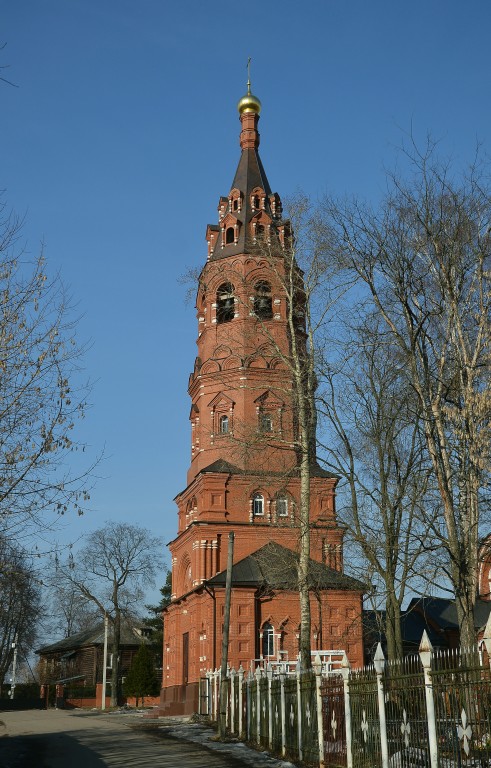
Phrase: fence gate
(333, 721)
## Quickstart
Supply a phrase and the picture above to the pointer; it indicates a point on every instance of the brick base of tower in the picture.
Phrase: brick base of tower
(179, 700)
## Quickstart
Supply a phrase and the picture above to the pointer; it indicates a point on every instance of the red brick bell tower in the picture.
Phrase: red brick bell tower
(243, 475)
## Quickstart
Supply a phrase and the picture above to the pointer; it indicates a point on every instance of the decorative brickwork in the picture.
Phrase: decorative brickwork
(243, 475)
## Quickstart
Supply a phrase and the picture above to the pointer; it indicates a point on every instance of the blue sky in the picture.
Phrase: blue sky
(123, 132)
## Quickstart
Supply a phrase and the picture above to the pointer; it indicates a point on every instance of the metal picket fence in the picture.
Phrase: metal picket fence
(333, 720)
(432, 710)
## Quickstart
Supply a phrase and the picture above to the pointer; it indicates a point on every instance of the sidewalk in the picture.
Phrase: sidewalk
(183, 729)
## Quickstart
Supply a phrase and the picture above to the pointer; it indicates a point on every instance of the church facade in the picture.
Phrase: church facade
(244, 472)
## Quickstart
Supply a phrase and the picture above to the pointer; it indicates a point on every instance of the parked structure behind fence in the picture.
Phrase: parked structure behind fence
(432, 710)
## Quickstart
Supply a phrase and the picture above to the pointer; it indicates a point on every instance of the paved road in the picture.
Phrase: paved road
(60, 739)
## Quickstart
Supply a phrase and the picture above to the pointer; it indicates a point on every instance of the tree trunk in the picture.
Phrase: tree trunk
(393, 624)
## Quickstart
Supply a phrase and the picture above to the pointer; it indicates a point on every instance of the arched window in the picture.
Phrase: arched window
(268, 640)
(282, 505)
(257, 505)
(223, 423)
(225, 303)
(263, 300)
(229, 235)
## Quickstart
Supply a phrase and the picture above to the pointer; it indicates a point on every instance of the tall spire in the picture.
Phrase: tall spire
(250, 207)
(249, 108)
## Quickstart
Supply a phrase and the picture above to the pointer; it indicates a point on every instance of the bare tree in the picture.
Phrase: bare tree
(70, 611)
(41, 398)
(373, 440)
(423, 258)
(111, 570)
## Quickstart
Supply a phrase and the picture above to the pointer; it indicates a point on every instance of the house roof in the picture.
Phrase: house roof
(276, 566)
(442, 611)
(93, 636)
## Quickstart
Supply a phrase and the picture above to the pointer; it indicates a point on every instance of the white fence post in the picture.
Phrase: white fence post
(241, 700)
(270, 705)
(379, 664)
(299, 711)
(317, 665)
(227, 706)
(258, 705)
(215, 694)
(425, 650)
(209, 694)
(283, 714)
(232, 700)
(250, 678)
(345, 671)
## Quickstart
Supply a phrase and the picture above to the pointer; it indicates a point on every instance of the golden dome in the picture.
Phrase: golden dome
(249, 102)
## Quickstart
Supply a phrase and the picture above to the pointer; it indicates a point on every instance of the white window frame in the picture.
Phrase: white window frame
(258, 502)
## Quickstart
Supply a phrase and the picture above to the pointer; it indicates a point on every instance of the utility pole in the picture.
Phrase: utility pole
(226, 631)
(14, 666)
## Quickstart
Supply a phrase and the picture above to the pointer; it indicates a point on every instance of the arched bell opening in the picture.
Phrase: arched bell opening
(263, 300)
(225, 303)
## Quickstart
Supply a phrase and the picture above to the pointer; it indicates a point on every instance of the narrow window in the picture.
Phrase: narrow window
(263, 301)
(229, 235)
(282, 506)
(224, 425)
(258, 504)
(265, 422)
(256, 202)
(235, 204)
(225, 303)
(268, 640)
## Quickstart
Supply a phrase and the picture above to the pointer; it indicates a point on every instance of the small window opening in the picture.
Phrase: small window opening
(263, 301)
(224, 425)
(257, 504)
(268, 640)
(235, 204)
(282, 506)
(225, 303)
(255, 201)
(265, 422)
(229, 235)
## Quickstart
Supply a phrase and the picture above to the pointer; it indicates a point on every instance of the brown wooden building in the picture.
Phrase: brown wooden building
(81, 655)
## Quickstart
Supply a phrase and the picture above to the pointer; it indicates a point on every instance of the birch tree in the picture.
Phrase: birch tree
(372, 438)
(301, 266)
(423, 259)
